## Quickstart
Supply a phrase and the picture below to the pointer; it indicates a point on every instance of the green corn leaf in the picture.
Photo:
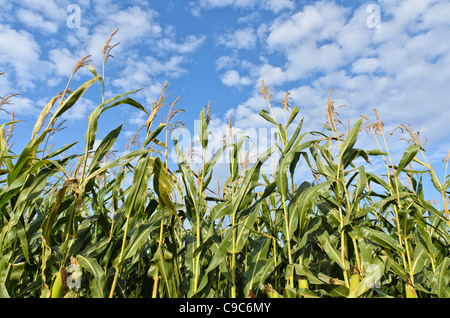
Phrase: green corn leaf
(104, 147)
(441, 279)
(154, 134)
(259, 267)
(282, 133)
(213, 160)
(163, 262)
(188, 176)
(73, 98)
(51, 218)
(347, 146)
(203, 132)
(293, 211)
(305, 271)
(243, 230)
(94, 249)
(60, 151)
(294, 138)
(26, 158)
(221, 251)
(249, 182)
(371, 278)
(140, 236)
(361, 184)
(293, 115)
(407, 157)
(162, 184)
(330, 250)
(281, 173)
(92, 119)
(117, 162)
(381, 238)
(22, 235)
(97, 281)
(72, 213)
(419, 258)
(3, 291)
(126, 101)
(300, 207)
(265, 114)
(136, 197)
(43, 115)
(91, 132)
(234, 161)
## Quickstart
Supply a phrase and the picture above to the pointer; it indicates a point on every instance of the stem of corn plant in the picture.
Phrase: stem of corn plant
(374, 130)
(338, 179)
(283, 198)
(233, 254)
(155, 284)
(441, 190)
(200, 192)
(117, 267)
(286, 221)
(233, 262)
(161, 235)
(406, 263)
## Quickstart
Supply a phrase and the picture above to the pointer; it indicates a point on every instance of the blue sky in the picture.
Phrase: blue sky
(390, 55)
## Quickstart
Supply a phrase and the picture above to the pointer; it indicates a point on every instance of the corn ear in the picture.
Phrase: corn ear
(409, 289)
(354, 279)
(303, 282)
(271, 292)
(58, 285)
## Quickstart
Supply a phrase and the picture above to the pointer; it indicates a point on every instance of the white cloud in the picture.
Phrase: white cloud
(191, 44)
(48, 8)
(302, 61)
(226, 61)
(34, 20)
(239, 39)
(365, 65)
(402, 68)
(63, 61)
(278, 5)
(136, 25)
(232, 78)
(270, 74)
(437, 15)
(22, 106)
(272, 5)
(319, 22)
(148, 74)
(209, 4)
(19, 50)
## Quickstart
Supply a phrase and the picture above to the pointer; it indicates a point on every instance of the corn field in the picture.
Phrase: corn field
(71, 227)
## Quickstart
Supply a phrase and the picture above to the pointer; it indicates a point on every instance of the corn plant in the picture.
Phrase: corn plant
(69, 226)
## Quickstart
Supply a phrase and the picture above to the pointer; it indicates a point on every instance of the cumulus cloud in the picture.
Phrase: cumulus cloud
(63, 61)
(316, 22)
(232, 78)
(21, 106)
(400, 68)
(34, 20)
(55, 12)
(278, 5)
(272, 5)
(239, 39)
(20, 51)
(80, 110)
(189, 45)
